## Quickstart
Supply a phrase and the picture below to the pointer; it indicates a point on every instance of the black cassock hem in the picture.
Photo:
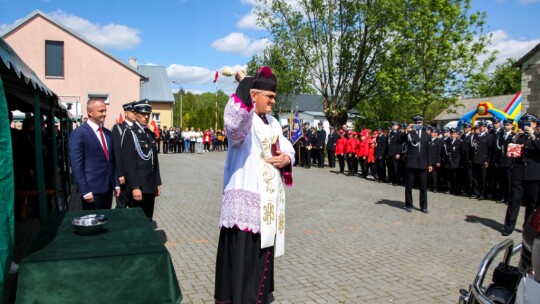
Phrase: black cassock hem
(244, 271)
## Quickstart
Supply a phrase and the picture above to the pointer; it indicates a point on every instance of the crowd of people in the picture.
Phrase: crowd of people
(476, 161)
(176, 140)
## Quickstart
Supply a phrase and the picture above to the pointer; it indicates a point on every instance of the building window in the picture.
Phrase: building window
(104, 97)
(155, 116)
(54, 59)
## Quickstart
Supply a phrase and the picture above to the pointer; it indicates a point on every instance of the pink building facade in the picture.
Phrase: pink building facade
(72, 67)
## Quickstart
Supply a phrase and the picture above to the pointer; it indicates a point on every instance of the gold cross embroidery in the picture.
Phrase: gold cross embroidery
(268, 213)
(281, 222)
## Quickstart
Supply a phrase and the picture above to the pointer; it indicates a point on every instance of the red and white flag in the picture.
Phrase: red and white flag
(216, 76)
(120, 119)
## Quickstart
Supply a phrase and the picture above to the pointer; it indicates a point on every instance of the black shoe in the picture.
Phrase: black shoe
(481, 198)
(506, 233)
(409, 209)
(425, 211)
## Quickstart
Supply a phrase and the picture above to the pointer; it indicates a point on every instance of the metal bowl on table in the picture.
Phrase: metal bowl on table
(89, 224)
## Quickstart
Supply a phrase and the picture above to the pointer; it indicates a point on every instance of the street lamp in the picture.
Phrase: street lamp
(179, 91)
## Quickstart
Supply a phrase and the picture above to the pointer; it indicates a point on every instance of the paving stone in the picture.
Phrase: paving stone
(349, 240)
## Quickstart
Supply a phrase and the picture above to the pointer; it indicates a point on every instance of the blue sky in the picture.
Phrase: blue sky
(193, 38)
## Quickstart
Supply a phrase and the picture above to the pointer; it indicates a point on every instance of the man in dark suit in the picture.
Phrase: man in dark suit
(453, 154)
(124, 199)
(92, 159)
(393, 153)
(466, 175)
(305, 146)
(319, 147)
(525, 173)
(166, 138)
(435, 150)
(331, 147)
(140, 160)
(480, 160)
(416, 163)
(502, 161)
(380, 155)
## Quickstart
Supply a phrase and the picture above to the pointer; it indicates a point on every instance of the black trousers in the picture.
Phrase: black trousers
(165, 147)
(125, 199)
(410, 176)
(147, 204)
(341, 161)
(363, 166)
(350, 163)
(331, 158)
(380, 164)
(320, 156)
(306, 157)
(192, 146)
(505, 182)
(101, 201)
(393, 166)
(479, 179)
(525, 192)
(158, 144)
(453, 178)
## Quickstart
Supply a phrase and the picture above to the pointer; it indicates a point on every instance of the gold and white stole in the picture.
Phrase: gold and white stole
(270, 185)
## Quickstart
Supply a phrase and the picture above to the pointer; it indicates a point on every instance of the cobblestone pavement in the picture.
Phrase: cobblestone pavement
(348, 240)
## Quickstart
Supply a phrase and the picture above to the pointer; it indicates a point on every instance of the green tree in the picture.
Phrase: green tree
(293, 79)
(504, 80)
(432, 55)
(391, 58)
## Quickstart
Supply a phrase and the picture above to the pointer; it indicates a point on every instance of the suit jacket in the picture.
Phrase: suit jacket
(141, 173)
(394, 146)
(527, 167)
(468, 150)
(332, 141)
(482, 148)
(417, 154)
(453, 151)
(380, 148)
(321, 139)
(92, 171)
(117, 131)
(501, 147)
(435, 150)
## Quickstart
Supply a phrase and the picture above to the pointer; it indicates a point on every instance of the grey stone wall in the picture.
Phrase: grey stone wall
(530, 85)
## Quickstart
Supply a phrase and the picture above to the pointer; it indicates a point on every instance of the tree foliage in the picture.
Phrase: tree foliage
(503, 81)
(199, 110)
(389, 58)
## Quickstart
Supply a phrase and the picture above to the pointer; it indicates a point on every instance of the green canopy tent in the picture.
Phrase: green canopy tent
(21, 89)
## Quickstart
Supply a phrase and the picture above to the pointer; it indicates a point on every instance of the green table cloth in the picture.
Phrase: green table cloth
(126, 263)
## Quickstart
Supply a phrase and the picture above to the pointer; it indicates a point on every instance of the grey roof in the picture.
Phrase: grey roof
(466, 105)
(526, 56)
(36, 13)
(158, 86)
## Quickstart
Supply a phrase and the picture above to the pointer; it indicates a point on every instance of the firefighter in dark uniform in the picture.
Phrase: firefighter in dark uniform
(393, 153)
(124, 199)
(140, 160)
(305, 147)
(453, 154)
(493, 172)
(502, 161)
(166, 137)
(466, 175)
(525, 173)
(481, 144)
(331, 147)
(416, 163)
(435, 154)
(380, 155)
(320, 144)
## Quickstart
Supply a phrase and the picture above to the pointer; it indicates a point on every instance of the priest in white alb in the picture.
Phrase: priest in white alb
(258, 167)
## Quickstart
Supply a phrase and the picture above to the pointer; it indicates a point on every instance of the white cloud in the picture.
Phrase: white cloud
(198, 79)
(249, 21)
(114, 36)
(240, 44)
(509, 47)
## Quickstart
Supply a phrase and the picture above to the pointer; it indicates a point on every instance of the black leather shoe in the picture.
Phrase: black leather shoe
(506, 233)
(425, 211)
(481, 198)
(409, 209)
